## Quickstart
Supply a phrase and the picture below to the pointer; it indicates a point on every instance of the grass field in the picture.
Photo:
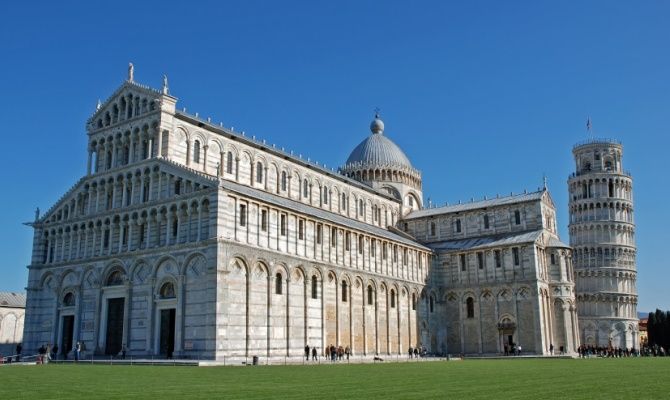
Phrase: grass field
(640, 378)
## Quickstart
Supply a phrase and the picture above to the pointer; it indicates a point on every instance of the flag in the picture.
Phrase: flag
(588, 124)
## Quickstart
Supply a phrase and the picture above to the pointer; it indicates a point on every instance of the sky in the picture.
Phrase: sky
(485, 97)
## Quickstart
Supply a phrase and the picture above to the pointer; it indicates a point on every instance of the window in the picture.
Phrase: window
(374, 213)
(301, 229)
(229, 163)
(498, 258)
(315, 287)
(361, 208)
(384, 251)
(177, 186)
(141, 234)
(432, 303)
(68, 300)
(517, 217)
(278, 283)
(243, 215)
(395, 253)
(462, 260)
(344, 291)
(106, 239)
(360, 244)
(325, 195)
(259, 172)
(373, 247)
(515, 254)
(480, 260)
(413, 301)
(410, 200)
(305, 192)
(370, 295)
(405, 257)
(486, 222)
(333, 237)
(392, 298)
(458, 225)
(343, 204)
(167, 291)
(196, 152)
(174, 227)
(553, 259)
(282, 225)
(283, 181)
(319, 232)
(432, 229)
(264, 220)
(347, 241)
(470, 305)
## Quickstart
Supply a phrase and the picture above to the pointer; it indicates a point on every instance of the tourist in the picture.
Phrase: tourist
(314, 358)
(19, 348)
(551, 349)
(41, 351)
(55, 352)
(519, 350)
(307, 352)
(347, 351)
(506, 349)
(410, 352)
(416, 352)
(48, 353)
(77, 351)
(123, 351)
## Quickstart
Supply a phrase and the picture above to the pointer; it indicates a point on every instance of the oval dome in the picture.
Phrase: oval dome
(378, 150)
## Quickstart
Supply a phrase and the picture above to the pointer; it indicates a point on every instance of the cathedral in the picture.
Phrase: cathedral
(187, 239)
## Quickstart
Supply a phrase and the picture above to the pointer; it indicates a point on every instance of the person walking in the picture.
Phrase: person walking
(307, 352)
(19, 349)
(47, 354)
(123, 351)
(551, 349)
(347, 351)
(410, 352)
(314, 357)
(55, 352)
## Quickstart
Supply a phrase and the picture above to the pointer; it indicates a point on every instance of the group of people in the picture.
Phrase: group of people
(513, 349)
(46, 352)
(416, 352)
(654, 351)
(586, 351)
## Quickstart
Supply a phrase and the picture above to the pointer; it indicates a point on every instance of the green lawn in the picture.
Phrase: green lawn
(634, 378)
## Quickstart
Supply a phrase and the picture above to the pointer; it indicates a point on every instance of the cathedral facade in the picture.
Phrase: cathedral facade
(188, 239)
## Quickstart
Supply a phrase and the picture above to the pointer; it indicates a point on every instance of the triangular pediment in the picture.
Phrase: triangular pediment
(546, 197)
(128, 101)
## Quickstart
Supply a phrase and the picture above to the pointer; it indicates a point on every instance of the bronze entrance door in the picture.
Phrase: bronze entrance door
(67, 333)
(114, 326)
(167, 332)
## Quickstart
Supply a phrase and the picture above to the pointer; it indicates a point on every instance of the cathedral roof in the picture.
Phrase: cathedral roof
(518, 198)
(11, 299)
(377, 150)
(487, 241)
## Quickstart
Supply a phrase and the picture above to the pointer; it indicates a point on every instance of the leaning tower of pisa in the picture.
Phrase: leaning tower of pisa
(602, 234)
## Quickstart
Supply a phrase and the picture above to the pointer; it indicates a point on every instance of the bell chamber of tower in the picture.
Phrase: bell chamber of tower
(602, 235)
(378, 162)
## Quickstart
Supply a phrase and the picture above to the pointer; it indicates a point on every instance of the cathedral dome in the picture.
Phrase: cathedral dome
(378, 151)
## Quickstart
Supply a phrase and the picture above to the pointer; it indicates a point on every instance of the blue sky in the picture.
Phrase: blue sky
(484, 97)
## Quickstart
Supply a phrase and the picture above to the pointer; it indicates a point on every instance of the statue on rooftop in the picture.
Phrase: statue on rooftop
(131, 72)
